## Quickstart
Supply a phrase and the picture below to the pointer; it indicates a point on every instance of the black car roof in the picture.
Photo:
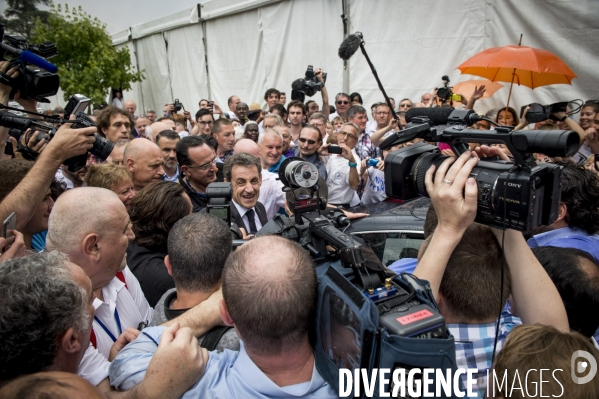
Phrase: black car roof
(391, 216)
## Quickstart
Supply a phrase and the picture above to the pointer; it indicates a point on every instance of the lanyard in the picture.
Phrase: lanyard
(118, 324)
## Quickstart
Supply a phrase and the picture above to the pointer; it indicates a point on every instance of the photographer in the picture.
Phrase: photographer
(26, 197)
(577, 223)
(465, 254)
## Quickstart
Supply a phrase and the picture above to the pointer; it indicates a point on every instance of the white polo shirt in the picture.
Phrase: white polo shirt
(338, 179)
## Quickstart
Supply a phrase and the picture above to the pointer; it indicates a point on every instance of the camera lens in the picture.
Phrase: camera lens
(443, 93)
(422, 164)
(102, 147)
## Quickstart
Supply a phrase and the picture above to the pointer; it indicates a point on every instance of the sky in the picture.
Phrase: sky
(118, 15)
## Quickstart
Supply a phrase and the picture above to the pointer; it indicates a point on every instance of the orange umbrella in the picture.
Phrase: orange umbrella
(467, 87)
(528, 66)
(524, 65)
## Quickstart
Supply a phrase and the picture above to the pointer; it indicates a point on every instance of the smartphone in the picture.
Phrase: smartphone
(334, 149)
(456, 97)
(77, 103)
(211, 106)
(10, 223)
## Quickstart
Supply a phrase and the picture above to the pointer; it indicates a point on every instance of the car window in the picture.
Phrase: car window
(391, 246)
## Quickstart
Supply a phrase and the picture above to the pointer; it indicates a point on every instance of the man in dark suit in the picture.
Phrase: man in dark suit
(243, 172)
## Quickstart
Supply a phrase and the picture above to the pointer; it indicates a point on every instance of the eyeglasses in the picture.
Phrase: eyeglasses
(206, 166)
(349, 136)
(342, 102)
(303, 140)
(206, 123)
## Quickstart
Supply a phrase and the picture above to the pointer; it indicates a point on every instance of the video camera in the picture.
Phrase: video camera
(444, 92)
(539, 113)
(33, 82)
(308, 86)
(519, 195)
(76, 105)
(367, 317)
(219, 197)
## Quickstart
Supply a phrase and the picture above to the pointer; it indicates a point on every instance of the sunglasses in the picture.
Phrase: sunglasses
(303, 140)
(342, 102)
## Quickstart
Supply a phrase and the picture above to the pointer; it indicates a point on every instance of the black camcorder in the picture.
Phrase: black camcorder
(540, 113)
(519, 195)
(37, 78)
(366, 317)
(100, 149)
(444, 92)
(307, 86)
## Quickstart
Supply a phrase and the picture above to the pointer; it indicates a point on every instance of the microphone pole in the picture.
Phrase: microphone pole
(378, 81)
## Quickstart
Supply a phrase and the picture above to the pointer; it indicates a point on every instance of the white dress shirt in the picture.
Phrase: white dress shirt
(243, 213)
(271, 193)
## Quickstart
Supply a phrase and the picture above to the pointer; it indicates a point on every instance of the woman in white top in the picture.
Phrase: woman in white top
(117, 101)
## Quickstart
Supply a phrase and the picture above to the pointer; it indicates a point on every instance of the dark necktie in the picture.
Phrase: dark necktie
(250, 216)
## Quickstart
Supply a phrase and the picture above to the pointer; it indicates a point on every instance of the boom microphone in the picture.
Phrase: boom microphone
(444, 116)
(350, 45)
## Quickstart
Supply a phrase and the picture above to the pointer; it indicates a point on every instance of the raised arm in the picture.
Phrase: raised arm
(325, 94)
(30, 192)
(453, 194)
(534, 294)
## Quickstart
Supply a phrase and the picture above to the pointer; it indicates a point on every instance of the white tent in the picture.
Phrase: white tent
(243, 47)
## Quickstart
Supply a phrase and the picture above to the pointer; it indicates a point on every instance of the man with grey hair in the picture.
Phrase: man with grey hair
(46, 327)
(271, 150)
(287, 149)
(342, 103)
(198, 246)
(320, 121)
(270, 291)
(243, 172)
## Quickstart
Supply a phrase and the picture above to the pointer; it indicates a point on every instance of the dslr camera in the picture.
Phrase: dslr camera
(33, 82)
(307, 86)
(539, 113)
(76, 105)
(519, 195)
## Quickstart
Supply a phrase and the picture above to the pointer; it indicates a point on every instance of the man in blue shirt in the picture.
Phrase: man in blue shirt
(577, 223)
(269, 289)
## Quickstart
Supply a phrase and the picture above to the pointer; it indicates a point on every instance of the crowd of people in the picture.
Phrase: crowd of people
(117, 282)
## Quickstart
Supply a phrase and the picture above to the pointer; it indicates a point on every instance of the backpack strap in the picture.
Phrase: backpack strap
(212, 337)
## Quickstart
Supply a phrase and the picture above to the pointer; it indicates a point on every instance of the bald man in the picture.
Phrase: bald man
(276, 359)
(271, 190)
(131, 107)
(144, 160)
(50, 385)
(154, 129)
(98, 242)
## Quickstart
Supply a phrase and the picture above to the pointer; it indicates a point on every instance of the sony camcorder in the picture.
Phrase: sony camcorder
(519, 195)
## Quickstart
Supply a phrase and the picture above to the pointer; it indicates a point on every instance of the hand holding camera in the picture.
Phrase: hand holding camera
(70, 142)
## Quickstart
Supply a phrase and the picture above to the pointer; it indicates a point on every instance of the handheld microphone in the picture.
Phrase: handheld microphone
(28, 56)
(350, 45)
(444, 116)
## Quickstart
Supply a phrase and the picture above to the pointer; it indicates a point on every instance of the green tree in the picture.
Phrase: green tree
(87, 61)
(20, 15)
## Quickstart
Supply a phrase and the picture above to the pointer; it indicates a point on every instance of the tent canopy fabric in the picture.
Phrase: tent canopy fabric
(244, 47)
